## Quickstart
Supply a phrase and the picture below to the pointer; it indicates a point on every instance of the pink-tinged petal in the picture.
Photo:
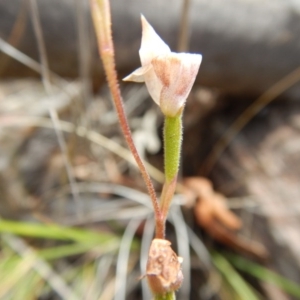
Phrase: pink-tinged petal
(177, 73)
(152, 45)
(189, 70)
(138, 75)
(167, 68)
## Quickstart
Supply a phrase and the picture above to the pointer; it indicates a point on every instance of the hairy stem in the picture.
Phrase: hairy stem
(172, 144)
(102, 22)
(167, 196)
(172, 149)
(168, 296)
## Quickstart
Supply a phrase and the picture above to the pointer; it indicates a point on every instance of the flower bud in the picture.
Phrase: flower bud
(163, 268)
(169, 76)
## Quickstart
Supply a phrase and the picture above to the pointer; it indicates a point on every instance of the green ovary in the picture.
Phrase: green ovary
(172, 146)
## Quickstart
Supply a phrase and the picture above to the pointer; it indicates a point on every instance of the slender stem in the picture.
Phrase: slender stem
(45, 73)
(172, 144)
(172, 148)
(167, 196)
(102, 22)
(184, 34)
(168, 296)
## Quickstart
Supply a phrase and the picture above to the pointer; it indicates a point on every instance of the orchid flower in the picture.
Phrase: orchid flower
(169, 76)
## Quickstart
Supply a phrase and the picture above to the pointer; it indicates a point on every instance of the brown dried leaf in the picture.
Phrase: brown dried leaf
(213, 215)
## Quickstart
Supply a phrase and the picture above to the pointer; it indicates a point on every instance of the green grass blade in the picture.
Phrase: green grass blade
(29, 287)
(266, 275)
(15, 275)
(51, 231)
(238, 284)
(75, 249)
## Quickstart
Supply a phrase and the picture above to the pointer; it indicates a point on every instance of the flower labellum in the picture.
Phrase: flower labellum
(169, 76)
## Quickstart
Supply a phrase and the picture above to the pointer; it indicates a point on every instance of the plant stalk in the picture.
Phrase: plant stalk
(100, 10)
(168, 296)
(172, 149)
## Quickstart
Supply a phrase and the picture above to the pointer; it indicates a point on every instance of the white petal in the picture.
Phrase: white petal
(154, 85)
(188, 73)
(169, 76)
(152, 45)
(190, 64)
(148, 75)
(138, 75)
(177, 73)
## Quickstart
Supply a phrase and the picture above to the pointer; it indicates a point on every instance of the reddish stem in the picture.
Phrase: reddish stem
(102, 22)
(166, 196)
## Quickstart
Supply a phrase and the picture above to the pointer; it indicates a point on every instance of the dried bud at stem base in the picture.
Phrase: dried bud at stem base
(163, 268)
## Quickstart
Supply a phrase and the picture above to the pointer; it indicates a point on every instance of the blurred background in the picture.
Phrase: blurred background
(76, 222)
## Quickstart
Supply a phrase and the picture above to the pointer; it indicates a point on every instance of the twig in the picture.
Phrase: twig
(49, 90)
(183, 42)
